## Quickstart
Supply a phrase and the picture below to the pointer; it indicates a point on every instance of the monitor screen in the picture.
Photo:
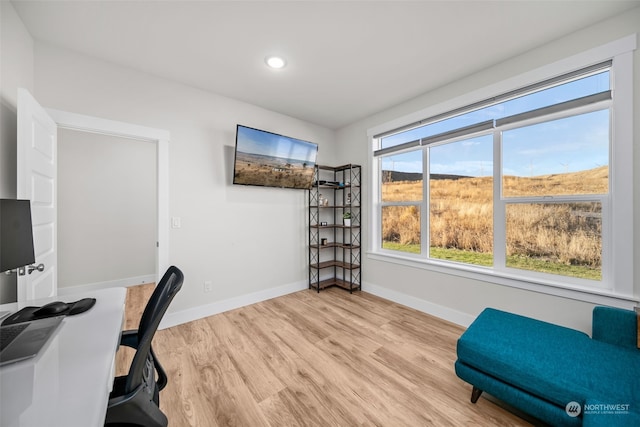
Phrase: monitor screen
(16, 234)
(271, 160)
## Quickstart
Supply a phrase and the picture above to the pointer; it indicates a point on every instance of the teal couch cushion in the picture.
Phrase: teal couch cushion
(615, 326)
(557, 364)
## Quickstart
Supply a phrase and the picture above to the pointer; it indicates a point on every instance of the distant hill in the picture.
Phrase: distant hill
(395, 176)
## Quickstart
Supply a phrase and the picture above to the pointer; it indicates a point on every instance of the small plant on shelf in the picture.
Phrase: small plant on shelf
(347, 218)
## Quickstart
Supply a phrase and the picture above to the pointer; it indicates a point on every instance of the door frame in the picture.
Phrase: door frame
(160, 137)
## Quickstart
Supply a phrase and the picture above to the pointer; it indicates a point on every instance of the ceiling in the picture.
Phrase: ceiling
(346, 59)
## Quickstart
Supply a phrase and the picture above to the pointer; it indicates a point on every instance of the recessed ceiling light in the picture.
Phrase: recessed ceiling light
(275, 62)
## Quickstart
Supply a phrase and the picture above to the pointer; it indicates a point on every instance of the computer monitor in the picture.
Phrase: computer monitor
(16, 234)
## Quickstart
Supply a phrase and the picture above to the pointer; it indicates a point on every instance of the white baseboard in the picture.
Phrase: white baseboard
(446, 313)
(200, 312)
(120, 283)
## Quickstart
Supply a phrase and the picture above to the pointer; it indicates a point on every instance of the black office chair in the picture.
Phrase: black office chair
(135, 400)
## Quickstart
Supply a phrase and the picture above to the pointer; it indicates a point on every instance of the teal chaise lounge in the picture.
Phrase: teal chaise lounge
(555, 374)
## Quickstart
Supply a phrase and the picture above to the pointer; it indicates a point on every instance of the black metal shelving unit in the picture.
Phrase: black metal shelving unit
(335, 248)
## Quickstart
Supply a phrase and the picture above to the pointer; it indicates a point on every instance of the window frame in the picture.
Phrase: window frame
(501, 201)
(617, 267)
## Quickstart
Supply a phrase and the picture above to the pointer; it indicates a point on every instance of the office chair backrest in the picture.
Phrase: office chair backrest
(142, 365)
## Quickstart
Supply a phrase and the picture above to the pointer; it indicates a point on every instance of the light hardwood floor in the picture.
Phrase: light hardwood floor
(309, 359)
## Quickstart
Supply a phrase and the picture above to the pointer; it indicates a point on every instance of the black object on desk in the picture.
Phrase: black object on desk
(56, 308)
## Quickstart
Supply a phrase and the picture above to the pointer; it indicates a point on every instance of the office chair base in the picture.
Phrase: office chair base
(137, 408)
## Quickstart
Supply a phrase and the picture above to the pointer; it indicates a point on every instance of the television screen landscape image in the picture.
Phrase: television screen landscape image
(270, 160)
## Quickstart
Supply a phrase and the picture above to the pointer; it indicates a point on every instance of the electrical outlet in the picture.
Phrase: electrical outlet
(208, 286)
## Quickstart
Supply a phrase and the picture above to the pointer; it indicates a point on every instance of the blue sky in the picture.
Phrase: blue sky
(269, 144)
(566, 145)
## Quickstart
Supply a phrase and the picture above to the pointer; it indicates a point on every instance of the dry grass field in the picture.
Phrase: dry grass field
(462, 216)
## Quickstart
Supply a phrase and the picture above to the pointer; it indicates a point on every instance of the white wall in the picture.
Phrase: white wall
(462, 299)
(16, 70)
(246, 240)
(106, 209)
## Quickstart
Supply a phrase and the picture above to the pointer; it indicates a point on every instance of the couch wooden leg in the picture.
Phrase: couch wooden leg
(475, 394)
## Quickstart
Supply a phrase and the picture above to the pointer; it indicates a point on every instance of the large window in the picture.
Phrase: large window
(519, 185)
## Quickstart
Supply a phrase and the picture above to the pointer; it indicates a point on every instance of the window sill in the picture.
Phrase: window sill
(589, 295)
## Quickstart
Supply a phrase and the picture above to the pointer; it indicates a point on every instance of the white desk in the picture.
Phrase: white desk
(68, 383)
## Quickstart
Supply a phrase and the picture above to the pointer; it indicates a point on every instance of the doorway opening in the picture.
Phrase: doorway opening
(102, 238)
(107, 216)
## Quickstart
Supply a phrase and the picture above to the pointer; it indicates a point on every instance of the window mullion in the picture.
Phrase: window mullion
(499, 210)
(402, 203)
(426, 205)
(568, 198)
(376, 212)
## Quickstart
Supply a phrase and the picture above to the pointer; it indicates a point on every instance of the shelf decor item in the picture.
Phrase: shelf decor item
(334, 228)
(346, 218)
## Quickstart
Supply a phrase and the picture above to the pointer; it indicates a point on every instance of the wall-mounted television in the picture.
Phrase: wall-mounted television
(271, 160)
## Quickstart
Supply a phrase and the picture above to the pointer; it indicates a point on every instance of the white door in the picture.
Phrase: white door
(36, 165)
